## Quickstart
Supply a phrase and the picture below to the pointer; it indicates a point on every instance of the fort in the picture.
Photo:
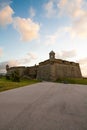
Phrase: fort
(49, 70)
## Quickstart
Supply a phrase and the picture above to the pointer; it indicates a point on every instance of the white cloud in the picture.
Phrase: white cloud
(28, 29)
(66, 54)
(4, 3)
(73, 8)
(71, 54)
(83, 65)
(6, 16)
(32, 12)
(32, 55)
(62, 3)
(83, 61)
(50, 9)
(84, 70)
(76, 10)
(79, 27)
(77, 30)
(1, 52)
(51, 39)
(11, 63)
(28, 58)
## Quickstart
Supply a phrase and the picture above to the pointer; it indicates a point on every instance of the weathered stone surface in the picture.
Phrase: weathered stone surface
(50, 70)
(54, 69)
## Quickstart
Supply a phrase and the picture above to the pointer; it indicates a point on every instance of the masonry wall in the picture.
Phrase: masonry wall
(24, 71)
(52, 71)
(43, 72)
(70, 71)
(19, 69)
(32, 71)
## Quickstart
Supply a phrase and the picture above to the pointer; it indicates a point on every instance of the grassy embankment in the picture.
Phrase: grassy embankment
(7, 84)
(73, 81)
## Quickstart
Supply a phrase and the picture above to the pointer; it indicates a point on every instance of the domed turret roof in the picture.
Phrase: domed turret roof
(52, 52)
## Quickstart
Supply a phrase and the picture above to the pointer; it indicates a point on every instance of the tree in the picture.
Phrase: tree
(15, 76)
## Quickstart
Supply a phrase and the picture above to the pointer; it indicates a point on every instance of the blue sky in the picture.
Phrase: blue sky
(30, 29)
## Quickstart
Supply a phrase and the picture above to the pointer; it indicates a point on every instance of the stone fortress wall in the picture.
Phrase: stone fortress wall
(24, 71)
(50, 70)
(56, 69)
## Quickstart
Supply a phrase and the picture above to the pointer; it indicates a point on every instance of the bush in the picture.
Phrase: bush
(7, 76)
(15, 76)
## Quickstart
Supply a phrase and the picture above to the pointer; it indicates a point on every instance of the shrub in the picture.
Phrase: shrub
(7, 76)
(15, 76)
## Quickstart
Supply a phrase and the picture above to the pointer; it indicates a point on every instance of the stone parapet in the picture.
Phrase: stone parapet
(50, 69)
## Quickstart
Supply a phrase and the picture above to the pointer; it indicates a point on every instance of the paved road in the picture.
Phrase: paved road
(44, 106)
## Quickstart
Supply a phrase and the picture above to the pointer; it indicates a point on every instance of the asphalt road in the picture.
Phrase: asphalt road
(44, 106)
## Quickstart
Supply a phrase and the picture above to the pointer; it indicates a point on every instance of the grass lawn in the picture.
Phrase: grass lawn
(73, 81)
(7, 84)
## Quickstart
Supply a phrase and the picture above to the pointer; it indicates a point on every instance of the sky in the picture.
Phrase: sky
(30, 29)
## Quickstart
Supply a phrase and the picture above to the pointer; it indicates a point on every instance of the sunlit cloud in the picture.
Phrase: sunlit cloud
(83, 64)
(6, 16)
(71, 54)
(28, 58)
(51, 39)
(75, 10)
(50, 9)
(60, 32)
(66, 54)
(79, 27)
(83, 61)
(77, 30)
(32, 12)
(32, 55)
(28, 29)
(4, 3)
(72, 8)
(84, 70)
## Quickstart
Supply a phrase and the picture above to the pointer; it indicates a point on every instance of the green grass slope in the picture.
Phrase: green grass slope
(7, 84)
(73, 81)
